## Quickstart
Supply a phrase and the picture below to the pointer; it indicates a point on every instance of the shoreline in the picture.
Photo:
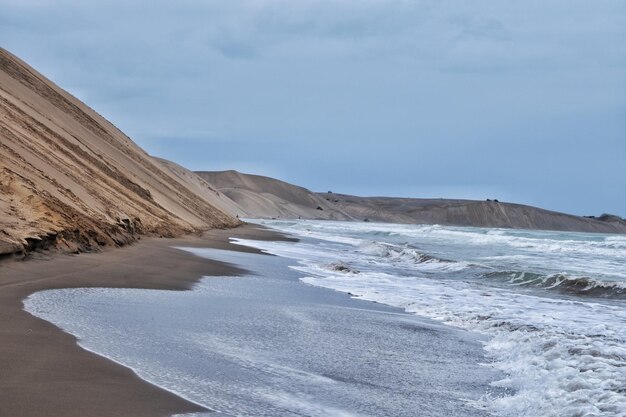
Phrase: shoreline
(265, 343)
(46, 372)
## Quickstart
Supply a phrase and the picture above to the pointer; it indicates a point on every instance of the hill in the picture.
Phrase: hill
(258, 196)
(470, 213)
(263, 197)
(71, 180)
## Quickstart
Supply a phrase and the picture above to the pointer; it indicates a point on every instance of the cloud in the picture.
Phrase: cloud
(415, 93)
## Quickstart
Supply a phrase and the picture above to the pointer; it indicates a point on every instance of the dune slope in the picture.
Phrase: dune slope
(69, 179)
(263, 197)
(259, 196)
(470, 213)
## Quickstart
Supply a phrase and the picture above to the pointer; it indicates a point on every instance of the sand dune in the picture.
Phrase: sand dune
(470, 213)
(258, 196)
(70, 179)
(262, 197)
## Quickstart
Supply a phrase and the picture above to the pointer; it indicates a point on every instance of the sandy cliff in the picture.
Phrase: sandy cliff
(71, 180)
(264, 197)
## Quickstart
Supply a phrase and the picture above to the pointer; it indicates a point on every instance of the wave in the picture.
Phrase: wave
(552, 350)
(396, 252)
(563, 283)
(342, 267)
(405, 254)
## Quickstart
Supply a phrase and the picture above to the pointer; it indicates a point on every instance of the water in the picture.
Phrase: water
(552, 303)
(268, 345)
(532, 324)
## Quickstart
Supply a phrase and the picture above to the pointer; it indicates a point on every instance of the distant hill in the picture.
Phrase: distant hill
(69, 179)
(470, 213)
(263, 197)
(258, 196)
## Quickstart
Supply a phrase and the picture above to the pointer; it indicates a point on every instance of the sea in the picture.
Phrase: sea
(369, 319)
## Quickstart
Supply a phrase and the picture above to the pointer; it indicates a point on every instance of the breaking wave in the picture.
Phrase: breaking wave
(395, 252)
(563, 283)
(552, 303)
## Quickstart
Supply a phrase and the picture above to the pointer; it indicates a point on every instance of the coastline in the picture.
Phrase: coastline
(45, 371)
(265, 343)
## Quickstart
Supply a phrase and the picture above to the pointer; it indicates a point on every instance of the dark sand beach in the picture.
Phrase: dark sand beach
(45, 373)
(430, 368)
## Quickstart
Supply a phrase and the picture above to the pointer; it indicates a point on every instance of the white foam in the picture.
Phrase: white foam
(562, 357)
(576, 253)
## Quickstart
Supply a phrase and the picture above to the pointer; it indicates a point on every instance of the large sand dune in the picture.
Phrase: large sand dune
(72, 180)
(262, 197)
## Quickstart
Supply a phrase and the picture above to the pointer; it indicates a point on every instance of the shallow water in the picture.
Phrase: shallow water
(268, 345)
(552, 303)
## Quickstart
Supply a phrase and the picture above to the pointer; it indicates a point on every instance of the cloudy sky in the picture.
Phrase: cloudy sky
(524, 101)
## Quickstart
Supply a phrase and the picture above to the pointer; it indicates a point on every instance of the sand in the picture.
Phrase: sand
(263, 197)
(43, 372)
(70, 179)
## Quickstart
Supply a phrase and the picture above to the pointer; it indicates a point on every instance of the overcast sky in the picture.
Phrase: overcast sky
(524, 101)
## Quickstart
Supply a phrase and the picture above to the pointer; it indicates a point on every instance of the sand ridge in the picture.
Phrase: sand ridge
(263, 197)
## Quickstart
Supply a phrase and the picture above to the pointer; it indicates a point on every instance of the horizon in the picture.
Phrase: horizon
(520, 103)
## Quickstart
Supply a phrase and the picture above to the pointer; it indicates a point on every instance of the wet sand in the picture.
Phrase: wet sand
(43, 372)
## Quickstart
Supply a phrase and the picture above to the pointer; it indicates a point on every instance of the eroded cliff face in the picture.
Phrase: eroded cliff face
(72, 181)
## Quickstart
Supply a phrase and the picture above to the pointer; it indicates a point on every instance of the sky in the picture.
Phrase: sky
(523, 101)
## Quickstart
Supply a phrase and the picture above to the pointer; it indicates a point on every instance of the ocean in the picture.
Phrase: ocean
(422, 321)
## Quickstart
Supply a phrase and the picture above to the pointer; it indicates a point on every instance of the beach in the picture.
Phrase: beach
(314, 318)
(250, 339)
(45, 373)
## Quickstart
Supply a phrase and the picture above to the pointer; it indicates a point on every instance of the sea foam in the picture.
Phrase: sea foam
(563, 355)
